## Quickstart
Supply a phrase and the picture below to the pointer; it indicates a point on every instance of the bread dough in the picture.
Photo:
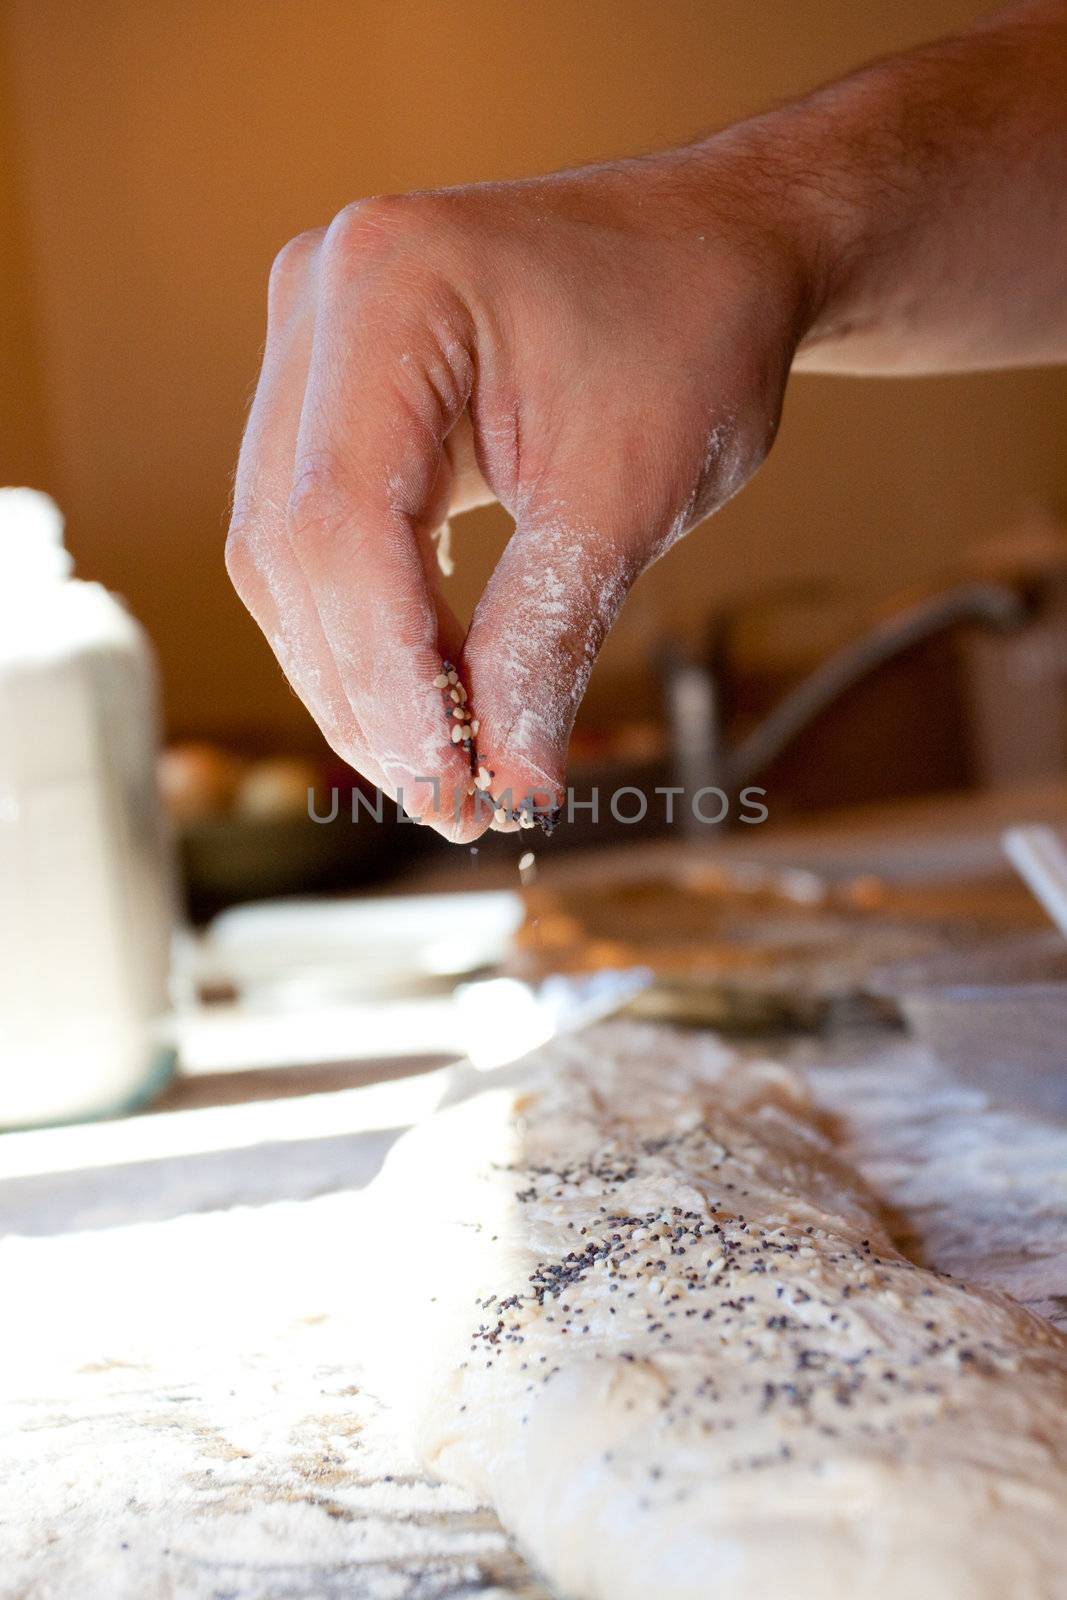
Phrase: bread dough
(628, 1296)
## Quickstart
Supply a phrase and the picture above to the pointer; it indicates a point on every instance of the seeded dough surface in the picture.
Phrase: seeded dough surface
(630, 1298)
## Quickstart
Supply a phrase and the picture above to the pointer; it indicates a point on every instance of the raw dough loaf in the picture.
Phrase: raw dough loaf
(632, 1300)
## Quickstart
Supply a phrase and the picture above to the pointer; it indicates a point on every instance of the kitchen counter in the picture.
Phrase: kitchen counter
(181, 1412)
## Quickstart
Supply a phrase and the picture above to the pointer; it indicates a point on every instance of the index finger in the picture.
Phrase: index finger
(371, 482)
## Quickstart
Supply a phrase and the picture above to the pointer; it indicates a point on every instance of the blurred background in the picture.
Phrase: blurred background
(154, 159)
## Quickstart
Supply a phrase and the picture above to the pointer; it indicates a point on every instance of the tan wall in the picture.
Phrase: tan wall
(23, 443)
(166, 148)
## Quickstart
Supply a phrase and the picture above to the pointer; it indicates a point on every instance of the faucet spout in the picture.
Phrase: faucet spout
(992, 605)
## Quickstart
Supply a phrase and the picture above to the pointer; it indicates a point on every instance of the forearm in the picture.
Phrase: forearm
(928, 195)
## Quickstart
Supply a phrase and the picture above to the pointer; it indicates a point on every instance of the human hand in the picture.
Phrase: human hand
(604, 351)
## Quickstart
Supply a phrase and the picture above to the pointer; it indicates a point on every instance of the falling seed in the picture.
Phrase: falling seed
(441, 681)
(527, 861)
(454, 694)
(475, 724)
(461, 691)
(484, 778)
(457, 734)
(459, 713)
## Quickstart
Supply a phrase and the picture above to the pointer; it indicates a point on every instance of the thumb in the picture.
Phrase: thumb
(532, 644)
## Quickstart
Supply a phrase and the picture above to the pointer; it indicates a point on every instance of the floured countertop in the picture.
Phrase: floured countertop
(180, 1401)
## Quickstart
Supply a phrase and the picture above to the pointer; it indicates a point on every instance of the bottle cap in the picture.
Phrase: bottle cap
(31, 539)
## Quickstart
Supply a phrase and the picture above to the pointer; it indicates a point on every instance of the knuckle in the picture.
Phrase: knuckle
(239, 553)
(382, 227)
(363, 223)
(291, 264)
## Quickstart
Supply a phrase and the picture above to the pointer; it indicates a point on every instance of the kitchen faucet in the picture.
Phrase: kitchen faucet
(701, 755)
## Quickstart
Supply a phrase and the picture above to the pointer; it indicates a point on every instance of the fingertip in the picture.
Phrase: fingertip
(521, 793)
(462, 828)
(506, 782)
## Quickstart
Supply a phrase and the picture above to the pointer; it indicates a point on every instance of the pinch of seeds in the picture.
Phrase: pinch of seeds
(462, 728)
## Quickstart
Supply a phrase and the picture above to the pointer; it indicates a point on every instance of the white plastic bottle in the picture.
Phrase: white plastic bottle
(86, 905)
